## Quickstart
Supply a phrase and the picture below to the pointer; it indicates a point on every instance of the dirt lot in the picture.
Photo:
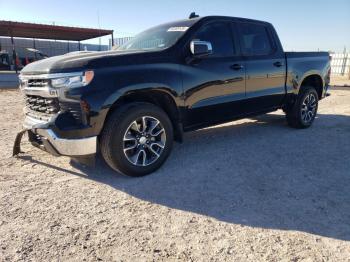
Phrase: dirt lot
(252, 190)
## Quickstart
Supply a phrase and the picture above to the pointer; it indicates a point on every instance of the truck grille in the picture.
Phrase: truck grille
(45, 108)
(44, 103)
(73, 108)
(41, 105)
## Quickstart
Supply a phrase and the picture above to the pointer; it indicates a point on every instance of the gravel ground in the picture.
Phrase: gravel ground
(251, 190)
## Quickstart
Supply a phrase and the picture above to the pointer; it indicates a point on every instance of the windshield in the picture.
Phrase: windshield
(157, 38)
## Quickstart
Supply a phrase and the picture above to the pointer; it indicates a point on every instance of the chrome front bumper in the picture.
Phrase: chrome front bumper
(69, 147)
(48, 141)
(31, 122)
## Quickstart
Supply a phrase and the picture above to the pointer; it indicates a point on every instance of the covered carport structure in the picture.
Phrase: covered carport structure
(44, 31)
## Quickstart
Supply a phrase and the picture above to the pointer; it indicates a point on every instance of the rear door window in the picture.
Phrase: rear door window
(255, 39)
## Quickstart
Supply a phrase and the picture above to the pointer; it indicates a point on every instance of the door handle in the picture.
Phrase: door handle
(237, 67)
(278, 64)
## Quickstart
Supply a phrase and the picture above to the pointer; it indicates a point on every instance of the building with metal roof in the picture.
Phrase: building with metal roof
(64, 39)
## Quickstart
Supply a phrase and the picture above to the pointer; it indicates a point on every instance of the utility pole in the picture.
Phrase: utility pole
(112, 41)
(34, 46)
(346, 54)
(99, 27)
(345, 58)
(14, 55)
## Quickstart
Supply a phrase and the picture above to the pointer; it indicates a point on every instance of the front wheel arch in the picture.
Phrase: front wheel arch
(161, 98)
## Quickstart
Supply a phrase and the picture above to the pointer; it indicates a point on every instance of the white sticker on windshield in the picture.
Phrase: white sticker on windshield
(178, 29)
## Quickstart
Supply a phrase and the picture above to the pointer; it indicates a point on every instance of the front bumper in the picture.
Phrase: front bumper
(48, 141)
(42, 136)
(54, 120)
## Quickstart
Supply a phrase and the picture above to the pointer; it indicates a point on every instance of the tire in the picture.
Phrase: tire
(304, 110)
(129, 144)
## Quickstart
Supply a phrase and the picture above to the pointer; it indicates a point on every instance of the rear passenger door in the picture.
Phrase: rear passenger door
(265, 66)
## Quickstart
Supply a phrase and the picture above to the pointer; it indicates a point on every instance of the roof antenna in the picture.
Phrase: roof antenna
(193, 15)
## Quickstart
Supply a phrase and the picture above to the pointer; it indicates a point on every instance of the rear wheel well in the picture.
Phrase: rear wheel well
(157, 98)
(314, 81)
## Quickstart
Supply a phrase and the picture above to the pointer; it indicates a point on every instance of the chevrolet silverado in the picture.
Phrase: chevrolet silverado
(131, 103)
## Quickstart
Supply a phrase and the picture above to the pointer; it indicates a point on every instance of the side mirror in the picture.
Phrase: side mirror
(201, 49)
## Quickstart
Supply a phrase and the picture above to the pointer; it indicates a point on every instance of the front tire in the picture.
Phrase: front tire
(137, 139)
(304, 110)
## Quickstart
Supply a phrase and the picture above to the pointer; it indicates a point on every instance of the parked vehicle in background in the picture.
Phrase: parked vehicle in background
(130, 104)
(39, 55)
(4, 61)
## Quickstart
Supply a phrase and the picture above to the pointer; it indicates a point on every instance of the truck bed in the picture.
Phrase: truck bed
(300, 65)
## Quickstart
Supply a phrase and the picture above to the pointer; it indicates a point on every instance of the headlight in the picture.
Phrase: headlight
(73, 80)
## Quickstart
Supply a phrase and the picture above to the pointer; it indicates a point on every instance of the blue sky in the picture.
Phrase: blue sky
(301, 24)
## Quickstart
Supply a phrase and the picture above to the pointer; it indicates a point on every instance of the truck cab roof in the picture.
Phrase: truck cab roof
(191, 21)
(218, 17)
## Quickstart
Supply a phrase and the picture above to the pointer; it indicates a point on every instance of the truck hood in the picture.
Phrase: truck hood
(77, 61)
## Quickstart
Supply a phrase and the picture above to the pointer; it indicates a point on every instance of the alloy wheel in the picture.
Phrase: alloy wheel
(309, 108)
(144, 141)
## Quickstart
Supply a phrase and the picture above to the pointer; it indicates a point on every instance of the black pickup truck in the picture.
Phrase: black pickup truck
(130, 104)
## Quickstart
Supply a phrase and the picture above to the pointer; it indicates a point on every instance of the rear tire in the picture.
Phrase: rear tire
(304, 110)
(137, 139)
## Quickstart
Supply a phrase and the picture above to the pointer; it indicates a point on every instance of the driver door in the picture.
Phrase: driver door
(214, 86)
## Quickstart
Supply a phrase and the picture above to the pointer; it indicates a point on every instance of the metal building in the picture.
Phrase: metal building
(17, 37)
